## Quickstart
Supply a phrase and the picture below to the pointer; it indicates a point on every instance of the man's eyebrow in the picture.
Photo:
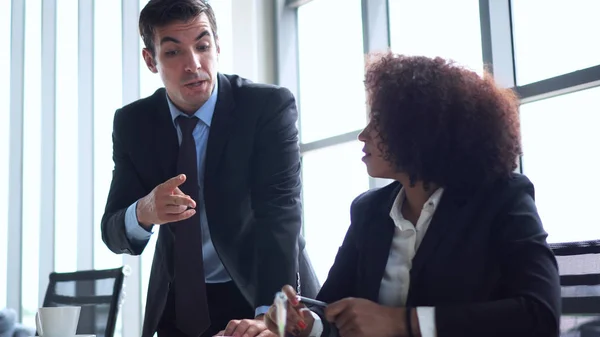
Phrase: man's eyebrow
(169, 39)
(172, 39)
(203, 34)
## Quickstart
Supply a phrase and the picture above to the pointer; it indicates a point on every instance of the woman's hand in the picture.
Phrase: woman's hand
(299, 320)
(357, 317)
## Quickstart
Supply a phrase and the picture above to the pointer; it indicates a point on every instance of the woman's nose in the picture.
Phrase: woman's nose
(362, 136)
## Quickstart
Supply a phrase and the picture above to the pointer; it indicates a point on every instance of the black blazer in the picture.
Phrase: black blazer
(483, 264)
(251, 187)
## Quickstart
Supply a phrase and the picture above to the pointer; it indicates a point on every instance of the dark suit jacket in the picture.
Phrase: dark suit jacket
(483, 264)
(251, 187)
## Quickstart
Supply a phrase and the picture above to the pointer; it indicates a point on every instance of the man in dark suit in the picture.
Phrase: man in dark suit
(215, 160)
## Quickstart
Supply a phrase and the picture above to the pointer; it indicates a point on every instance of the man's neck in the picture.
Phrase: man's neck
(189, 110)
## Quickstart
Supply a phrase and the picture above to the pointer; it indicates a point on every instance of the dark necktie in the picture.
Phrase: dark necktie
(191, 307)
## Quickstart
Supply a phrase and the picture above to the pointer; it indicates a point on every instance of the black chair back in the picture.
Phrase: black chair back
(97, 292)
(579, 267)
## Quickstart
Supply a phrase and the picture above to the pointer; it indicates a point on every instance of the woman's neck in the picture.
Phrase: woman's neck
(416, 196)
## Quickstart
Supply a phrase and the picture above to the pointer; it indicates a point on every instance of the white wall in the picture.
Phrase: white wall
(253, 39)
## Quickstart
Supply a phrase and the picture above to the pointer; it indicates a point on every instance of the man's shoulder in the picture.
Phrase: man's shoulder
(145, 103)
(243, 88)
(140, 109)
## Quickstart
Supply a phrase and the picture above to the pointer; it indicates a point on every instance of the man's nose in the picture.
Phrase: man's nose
(193, 63)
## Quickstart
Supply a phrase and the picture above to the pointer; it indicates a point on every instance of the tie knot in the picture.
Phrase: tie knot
(187, 124)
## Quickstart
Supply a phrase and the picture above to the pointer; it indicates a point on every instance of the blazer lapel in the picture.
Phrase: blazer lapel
(165, 137)
(447, 224)
(381, 233)
(220, 129)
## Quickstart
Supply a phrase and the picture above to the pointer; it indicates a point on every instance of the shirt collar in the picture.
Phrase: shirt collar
(431, 204)
(204, 113)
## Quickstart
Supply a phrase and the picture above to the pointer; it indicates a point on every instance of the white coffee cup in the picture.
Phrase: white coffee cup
(57, 321)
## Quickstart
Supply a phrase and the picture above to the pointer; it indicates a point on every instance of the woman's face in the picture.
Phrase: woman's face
(377, 166)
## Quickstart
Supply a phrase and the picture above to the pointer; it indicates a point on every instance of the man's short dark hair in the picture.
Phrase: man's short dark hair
(159, 13)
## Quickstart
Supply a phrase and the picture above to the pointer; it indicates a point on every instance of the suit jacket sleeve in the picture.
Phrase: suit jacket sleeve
(125, 189)
(341, 280)
(275, 193)
(529, 279)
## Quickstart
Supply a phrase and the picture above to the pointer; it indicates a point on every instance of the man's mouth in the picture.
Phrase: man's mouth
(194, 83)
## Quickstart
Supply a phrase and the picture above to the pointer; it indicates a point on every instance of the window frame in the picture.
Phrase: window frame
(375, 37)
(497, 53)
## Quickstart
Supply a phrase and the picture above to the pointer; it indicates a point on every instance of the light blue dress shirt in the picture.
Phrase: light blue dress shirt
(214, 271)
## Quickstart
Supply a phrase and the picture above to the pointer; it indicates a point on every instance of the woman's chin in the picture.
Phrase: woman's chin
(373, 172)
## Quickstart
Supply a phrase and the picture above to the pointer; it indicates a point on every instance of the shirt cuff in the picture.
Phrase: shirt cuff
(261, 310)
(317, 329)
(135, 232)
(426, 317)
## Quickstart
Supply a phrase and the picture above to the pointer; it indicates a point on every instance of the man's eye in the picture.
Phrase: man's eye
(171, 53)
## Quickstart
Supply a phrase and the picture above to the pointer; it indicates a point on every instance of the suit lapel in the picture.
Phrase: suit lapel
(381, 233)
(165, 136)
(220, 129)
(447, 224)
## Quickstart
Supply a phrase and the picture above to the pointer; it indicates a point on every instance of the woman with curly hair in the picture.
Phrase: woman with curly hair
(453, 247)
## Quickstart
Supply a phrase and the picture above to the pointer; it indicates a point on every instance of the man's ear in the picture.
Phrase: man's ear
(149, 60)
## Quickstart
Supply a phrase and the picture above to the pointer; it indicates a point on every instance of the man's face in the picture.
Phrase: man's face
(186, 57)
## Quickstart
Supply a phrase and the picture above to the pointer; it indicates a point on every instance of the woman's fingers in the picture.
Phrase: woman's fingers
(297, 316)
(271, 319)
(295, 322)
(291, 295)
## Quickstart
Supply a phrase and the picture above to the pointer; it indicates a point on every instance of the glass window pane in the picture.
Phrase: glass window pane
(149, 81)
(108, 93)
(332, 171)
(449, 29)
(5, 23)
(65, 258)
(332, 97)
(31, 160)
(107, 99)
(223, 13)
(552, 38)
(560, 146)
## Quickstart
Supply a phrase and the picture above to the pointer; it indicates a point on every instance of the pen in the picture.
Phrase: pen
(310, 301)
